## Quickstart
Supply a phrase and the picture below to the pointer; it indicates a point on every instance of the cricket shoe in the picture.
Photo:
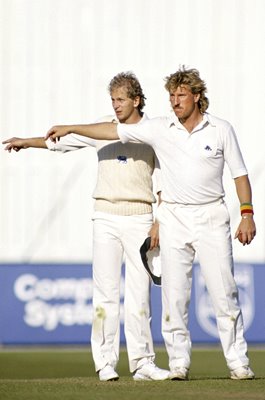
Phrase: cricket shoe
(108, 373)
(150, 372)
(179, 374)
(242, 373)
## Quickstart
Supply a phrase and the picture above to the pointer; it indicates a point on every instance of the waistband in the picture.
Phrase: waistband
(220, 200)
(123, 207)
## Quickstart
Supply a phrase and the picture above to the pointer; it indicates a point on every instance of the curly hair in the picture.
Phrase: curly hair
(191, 78)
(134, 89)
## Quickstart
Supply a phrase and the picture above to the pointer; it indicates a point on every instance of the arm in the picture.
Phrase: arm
(246, 229)
(154, 231)
(105, 131)
(17, 144)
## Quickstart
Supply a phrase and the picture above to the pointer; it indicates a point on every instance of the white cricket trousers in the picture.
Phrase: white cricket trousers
(114, 237)
(205, 230)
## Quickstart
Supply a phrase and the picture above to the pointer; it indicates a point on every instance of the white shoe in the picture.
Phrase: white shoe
(108, 373)
(179, 374)
(242, 373)
(150, 372)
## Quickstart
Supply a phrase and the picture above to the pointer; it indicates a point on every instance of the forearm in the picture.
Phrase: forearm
(105, 131)
(246, 230)
(17, 144)
(37, 142)
(154, 231)
(243, 189)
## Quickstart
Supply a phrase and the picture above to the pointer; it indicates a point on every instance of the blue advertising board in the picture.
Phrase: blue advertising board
(52, 304)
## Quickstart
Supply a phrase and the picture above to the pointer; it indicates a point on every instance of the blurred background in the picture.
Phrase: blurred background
(57, 58)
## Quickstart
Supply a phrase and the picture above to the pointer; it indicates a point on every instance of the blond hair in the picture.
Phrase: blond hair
(191, 78)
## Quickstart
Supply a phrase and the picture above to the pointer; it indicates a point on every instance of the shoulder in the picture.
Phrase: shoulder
(107, 118)
(218, 122)
(156, 121)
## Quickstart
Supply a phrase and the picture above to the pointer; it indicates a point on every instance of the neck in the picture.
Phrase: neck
(191, 122)
(134, 118)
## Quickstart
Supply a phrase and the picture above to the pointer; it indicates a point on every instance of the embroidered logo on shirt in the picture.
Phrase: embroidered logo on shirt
(122, 159)
(207, 148)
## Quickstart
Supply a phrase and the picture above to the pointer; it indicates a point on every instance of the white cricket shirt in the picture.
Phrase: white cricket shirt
(191, 164)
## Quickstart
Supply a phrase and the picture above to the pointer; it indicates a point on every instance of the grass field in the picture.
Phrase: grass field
(68, 374)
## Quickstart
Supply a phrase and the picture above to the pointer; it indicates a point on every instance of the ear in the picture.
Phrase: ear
(197, 97)
(136, 101)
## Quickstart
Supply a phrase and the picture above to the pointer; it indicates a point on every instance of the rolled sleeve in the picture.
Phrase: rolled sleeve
(70, 143)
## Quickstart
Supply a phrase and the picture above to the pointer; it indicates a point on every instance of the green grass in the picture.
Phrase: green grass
(42, 374)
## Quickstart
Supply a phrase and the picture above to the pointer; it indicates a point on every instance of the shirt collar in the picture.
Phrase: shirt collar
(173, 120)
(206, 119)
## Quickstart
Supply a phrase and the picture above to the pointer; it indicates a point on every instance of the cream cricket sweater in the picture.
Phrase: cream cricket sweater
(124, 182)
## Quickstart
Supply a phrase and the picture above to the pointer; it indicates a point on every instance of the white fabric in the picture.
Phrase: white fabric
(205, 230)
(193, 218)
(124, 183)
(122, 219)
(191, 163)
(113, 237)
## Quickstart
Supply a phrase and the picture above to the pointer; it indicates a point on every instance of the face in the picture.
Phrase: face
(123, 106)
(183, 102)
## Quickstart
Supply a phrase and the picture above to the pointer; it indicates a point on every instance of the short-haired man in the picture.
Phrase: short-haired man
(122, 220)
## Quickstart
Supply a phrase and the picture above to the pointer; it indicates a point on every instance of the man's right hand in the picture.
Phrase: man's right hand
(15, 144)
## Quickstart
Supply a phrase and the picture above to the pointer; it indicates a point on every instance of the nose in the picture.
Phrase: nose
(176, 100)
(116, 105)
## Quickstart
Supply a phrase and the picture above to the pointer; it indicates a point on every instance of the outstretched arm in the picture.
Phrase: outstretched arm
(246, 229)
(105, 131)
(17, 144)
